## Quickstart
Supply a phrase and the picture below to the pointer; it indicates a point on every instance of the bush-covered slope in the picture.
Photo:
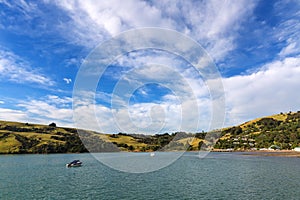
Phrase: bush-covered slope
(282, 130)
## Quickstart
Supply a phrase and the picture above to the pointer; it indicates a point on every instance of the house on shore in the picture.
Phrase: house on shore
(297, 149)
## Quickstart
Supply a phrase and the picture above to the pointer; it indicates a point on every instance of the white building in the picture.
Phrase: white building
(297, 149)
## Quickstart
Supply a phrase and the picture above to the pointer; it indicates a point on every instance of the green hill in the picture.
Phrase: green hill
(282, 130)
(18, 137)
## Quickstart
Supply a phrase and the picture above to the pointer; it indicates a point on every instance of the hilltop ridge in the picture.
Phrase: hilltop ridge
(280, 130)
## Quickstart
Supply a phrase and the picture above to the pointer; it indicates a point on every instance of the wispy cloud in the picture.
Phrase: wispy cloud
(67, 80)
(266, 91)
(214, 24)
(288, 27)
(291, 48)
(271, 33)
(49, 108)
(16, 69)
(42, 110)
(56, 100)
(220, 26)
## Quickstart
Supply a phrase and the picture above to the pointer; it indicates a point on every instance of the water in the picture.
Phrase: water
(218, 176)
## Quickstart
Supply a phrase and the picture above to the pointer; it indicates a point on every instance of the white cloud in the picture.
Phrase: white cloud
(287, 30)
(215, 24)
(272, 89)
(84, 117)
(147, 118)
(73, 62)
(68, 80)
(188, 103)
(61, 101)
(291, 48)
(265, 92)
(15, 69)
(115, 16)
(212, 23)
(13, 115)
(44, 110)
(47, 111)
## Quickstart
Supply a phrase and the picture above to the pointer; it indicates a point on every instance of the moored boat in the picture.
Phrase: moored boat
(74, 163)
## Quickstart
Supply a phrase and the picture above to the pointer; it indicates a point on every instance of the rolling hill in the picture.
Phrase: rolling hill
(281, 130)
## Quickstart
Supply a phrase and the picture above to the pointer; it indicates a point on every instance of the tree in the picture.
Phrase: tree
(52, 124)
(200, 144)
(131, 148)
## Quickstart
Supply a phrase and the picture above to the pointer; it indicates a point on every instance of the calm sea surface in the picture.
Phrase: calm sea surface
(217, 176)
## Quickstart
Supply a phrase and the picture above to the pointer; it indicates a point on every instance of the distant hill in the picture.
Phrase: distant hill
(282, 130)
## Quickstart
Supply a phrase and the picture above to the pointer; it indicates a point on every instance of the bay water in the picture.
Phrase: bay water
(217, 176)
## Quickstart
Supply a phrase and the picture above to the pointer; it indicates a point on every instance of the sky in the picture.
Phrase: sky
(254, 45)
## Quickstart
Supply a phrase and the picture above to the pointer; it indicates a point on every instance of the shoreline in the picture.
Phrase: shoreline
(274, 153)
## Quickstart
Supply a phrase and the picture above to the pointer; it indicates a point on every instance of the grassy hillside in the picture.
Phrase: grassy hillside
(282, 130)
(18, 137)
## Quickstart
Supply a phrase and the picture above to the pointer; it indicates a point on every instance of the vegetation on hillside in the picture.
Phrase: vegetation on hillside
(281, 131)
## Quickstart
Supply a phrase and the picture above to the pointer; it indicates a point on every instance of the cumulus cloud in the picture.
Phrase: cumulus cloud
(270, 90)
(187, 102)
(43, 110)
(12, 115)
(46, 110)
(185, 105)
(264, 92)
(147, 118)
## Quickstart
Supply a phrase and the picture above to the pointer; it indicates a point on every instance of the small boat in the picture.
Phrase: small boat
(74, 163)
(152, 154)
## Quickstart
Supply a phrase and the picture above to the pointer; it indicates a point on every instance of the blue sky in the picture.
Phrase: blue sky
(254, 45)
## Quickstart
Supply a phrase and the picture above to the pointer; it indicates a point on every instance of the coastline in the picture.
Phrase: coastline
(275, 153)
